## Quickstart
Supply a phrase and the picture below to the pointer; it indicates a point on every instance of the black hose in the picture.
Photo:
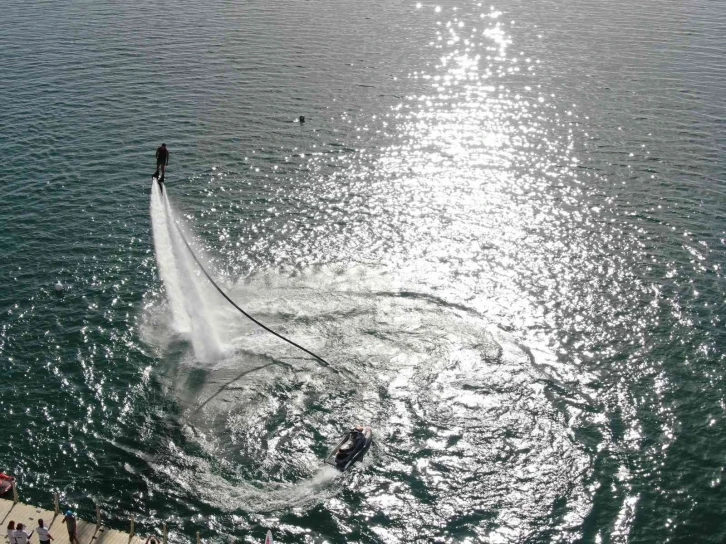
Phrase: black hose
(248, 316)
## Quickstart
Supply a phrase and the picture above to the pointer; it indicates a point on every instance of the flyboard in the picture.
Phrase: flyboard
(268, 538)
(159, 181)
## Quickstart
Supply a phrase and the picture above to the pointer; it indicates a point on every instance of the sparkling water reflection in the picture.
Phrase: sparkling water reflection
(503, 224)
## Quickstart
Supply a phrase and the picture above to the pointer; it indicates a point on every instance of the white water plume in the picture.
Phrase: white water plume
(188, 292)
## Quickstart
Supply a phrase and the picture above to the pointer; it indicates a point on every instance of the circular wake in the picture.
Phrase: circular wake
(460, 411)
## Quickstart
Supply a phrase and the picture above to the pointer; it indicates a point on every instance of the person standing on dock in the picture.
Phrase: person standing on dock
(20, 536)
(44, 537)
(70, 521)
(11, 531)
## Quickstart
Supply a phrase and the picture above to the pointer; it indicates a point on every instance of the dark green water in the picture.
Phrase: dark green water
(505, 225)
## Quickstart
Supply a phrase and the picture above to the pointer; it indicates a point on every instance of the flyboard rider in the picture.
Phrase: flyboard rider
(162, 161)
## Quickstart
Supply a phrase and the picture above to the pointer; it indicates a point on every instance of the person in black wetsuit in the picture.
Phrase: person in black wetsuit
(162, 161)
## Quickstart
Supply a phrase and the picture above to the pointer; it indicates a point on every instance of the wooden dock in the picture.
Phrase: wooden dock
(88, 533)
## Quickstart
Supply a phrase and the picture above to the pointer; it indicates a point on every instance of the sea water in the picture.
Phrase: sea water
(502, 223)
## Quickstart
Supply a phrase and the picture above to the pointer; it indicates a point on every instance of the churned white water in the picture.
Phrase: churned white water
(188, 291)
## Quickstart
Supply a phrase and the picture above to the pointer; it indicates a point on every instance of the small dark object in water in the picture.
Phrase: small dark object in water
(301, 119)
(351, 448)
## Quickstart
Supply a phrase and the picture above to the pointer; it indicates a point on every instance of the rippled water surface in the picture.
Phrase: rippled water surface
(503, 226)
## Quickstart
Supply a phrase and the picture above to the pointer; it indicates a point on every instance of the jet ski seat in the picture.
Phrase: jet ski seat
(349, 444)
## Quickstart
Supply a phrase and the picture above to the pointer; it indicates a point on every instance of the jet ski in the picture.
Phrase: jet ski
(351, 448)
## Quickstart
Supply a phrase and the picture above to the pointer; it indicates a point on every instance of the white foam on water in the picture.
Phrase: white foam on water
(166, 262)
(260, 414)
(270, 497)
(188, 291)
